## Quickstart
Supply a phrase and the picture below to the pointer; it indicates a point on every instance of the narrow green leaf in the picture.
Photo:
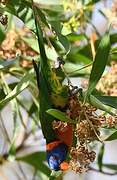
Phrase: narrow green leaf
(112, 137)
(50, 2)
(100, 157)
(2, 35)
(64, 41)
(77, 57)
(56, 25)
(54, 8)
(2, 93)
(110, 166)
(76, 37)
(32, 42)
(14, 107)
(60, 115)
(76, 70)
(39, 34)
(16, 7)
(99, 63)
(5, 63)
(10, 8)
(55, 175)
(98, 104)
(23, 84)
(113, 38)
(37, 161)
(42, 16)
(108, 100)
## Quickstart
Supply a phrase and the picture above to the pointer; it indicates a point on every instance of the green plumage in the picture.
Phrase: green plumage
(51, 91)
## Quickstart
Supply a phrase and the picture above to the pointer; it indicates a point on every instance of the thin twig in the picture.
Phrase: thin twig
(67, 77)
(4, 128)
(33, 118)
(21, 170)
(16, 173)
(20, 147)
(21, 118)
(92, 47)
(90, 123)
(34, 174)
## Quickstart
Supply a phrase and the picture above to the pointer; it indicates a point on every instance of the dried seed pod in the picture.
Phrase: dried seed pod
(81, 157)
(111, 121)
(97, 121)
(84, 132)
(92, 156)
(74, 107)
(3, 2)
(108, 83)
(62, 126)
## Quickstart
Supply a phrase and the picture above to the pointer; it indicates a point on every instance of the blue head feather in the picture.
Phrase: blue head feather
(56, 156)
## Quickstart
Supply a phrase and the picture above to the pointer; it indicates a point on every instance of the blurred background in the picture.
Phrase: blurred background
(28, 136)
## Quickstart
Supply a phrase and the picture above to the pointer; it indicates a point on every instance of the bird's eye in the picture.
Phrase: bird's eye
(55, 157)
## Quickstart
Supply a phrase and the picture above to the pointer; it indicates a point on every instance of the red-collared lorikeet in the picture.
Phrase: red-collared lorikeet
(51, 94)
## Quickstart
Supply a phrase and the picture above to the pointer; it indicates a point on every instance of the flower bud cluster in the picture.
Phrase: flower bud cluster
(62, 126)
(81, 157)
(86, 130)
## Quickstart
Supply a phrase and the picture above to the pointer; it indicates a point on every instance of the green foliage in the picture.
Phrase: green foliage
(98, 104)
(112, 137)
(6, 64)
(53, 26)
(100, 62)
(60, 115)
(23, 84)
(108, 100)
(37, 161)
(111, 166)
(100, 157)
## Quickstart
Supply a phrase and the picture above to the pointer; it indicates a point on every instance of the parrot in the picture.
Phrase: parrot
(52, 93)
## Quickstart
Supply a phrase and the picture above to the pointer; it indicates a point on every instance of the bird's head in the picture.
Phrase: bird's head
(56, 156)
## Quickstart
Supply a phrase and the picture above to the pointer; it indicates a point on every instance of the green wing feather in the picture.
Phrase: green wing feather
(51, 90)
(45, 104)
(57, 91)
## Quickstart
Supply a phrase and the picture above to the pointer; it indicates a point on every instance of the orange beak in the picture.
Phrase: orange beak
(64, 166)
